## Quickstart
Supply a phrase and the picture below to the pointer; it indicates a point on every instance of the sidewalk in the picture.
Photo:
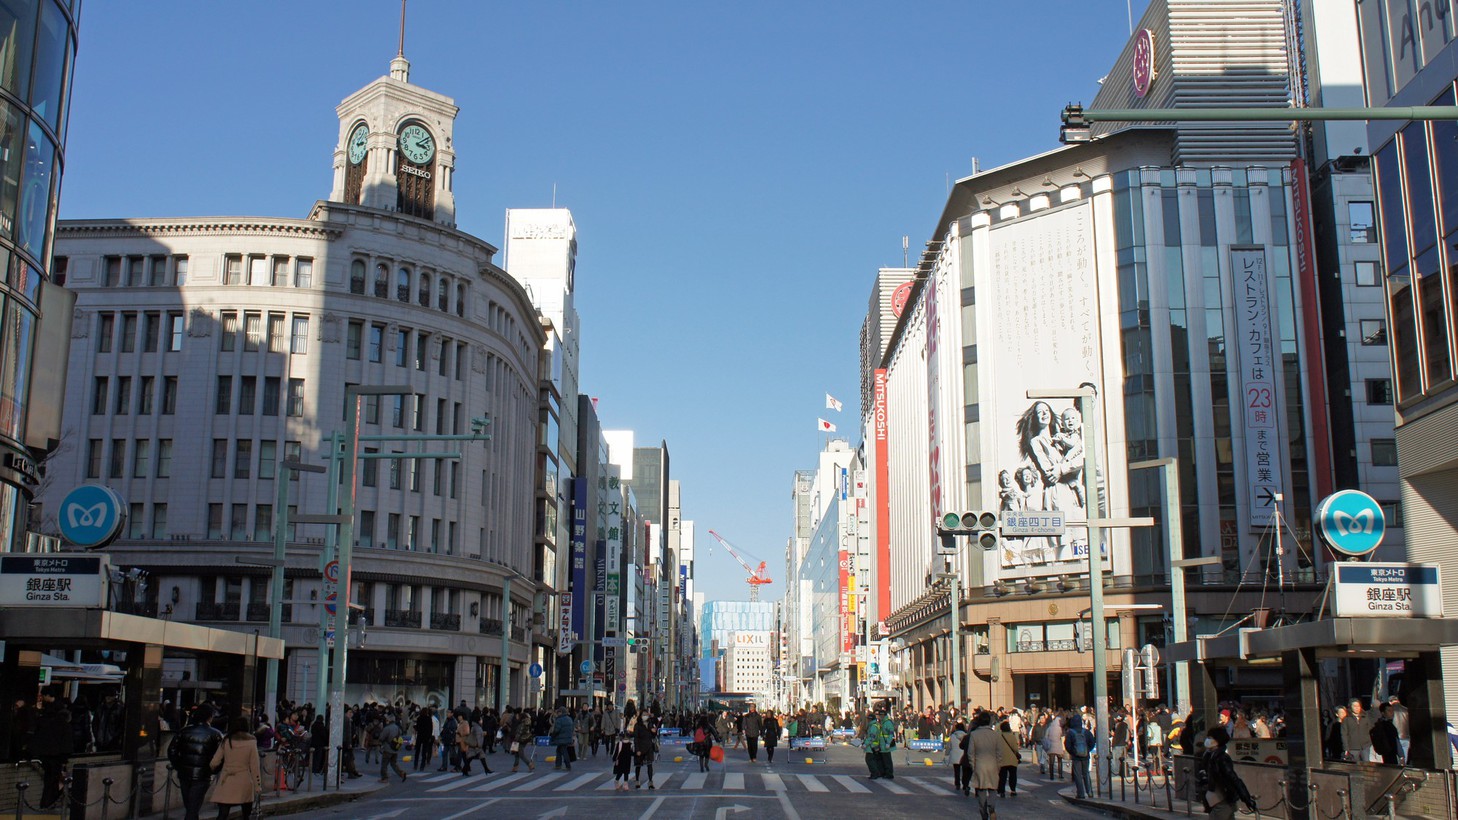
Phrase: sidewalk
(1130, 809)
(289, 802)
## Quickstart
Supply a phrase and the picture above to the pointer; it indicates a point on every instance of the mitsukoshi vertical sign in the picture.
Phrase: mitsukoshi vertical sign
(1260, 368)
(883, 498)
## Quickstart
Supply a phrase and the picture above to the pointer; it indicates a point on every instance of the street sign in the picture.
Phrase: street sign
(1351, 522)
(331, 572)
(1388, 591)
(91, 516)
(618, 642)
(1034, 523)
(54, 579)
(585, 667)
(331, 602)
(45, 676)
(535, 670)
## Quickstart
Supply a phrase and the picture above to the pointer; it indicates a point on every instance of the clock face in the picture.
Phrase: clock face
(357, 144)
(417, 144)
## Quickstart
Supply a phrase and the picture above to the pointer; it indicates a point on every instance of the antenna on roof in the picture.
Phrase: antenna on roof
(401, 52)
(905, 251)
(554, 195)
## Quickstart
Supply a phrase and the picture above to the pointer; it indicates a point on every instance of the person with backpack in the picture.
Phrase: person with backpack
(1219, 786)
(391, 742)
(1080, 745)
(470, 735)
(564, 729)
(703, 744)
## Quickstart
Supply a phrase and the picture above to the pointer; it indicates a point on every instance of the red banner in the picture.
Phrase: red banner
(1305, 249)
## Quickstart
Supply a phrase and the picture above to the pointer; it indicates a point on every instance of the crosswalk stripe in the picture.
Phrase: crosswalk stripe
(579, 782)
(931, 786)
(734, 780)
(441, 778)
(850, 783)
(695, 780)
(813, 783)
(894, 787)
(461, 782)
(610, 784)
(493, 785)
(662, 780)
(533, 785)
(773, 782)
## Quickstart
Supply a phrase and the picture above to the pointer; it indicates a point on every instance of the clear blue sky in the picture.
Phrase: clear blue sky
(737, 173)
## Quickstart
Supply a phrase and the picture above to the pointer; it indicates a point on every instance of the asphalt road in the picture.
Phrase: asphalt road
(833, 786)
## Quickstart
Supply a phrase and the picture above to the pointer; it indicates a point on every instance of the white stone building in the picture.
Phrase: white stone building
(206, 351)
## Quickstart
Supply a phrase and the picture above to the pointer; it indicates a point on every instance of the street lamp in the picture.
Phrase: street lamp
(504, 673)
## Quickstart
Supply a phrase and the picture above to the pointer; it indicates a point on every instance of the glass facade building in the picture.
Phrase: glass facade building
(37, 51)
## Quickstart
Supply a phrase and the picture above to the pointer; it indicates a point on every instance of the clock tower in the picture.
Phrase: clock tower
(395, 149)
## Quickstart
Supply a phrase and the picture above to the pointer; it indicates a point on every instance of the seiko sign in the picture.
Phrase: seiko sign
(415, 171)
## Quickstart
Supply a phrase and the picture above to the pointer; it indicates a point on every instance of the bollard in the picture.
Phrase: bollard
(20, 799)
(1168, 791)
(1189, 795)
(167, 794)
(1346, 803)
(137, 789)
(1256, 799)
(106, 796)
(1391, 806)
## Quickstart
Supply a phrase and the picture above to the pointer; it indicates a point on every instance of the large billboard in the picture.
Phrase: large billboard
(1041, 322)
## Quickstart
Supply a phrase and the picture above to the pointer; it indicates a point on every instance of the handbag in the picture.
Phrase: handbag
(513, 748)
(1015, 751)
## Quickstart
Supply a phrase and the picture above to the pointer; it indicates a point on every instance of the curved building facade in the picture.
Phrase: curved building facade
(37, 49)
(205, 352)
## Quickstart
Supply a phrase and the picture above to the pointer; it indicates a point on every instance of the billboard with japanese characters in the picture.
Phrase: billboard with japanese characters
(1260, 368)
(1041, 290)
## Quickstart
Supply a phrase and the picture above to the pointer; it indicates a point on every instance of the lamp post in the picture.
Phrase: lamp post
(955, 579)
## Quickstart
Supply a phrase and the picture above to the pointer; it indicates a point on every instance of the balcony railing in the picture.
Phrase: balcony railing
(147, 609)
(404, 618)
(446, 621)
(1047, 646)
(208, 611)
(518, 633)
(490, 626)
(358, 616)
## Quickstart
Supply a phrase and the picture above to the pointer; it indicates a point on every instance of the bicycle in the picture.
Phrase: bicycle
(294, 763)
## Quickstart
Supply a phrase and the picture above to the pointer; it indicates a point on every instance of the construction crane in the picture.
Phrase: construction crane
(757, 577)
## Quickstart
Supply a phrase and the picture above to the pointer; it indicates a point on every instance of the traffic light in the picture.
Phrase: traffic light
(981, 524)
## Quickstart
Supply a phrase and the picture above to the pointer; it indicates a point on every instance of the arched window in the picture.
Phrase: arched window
(423, 290)
(382, 280)
(443, 297)
(357, 276)
(402, 285)
(460, 300)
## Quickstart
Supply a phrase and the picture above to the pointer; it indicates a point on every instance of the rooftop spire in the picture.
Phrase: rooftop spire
(400, 67)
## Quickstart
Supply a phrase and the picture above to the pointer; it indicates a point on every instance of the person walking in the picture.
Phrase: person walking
(426, 728)
(522, 740)
(471, 736)
(1080, 745)
(564, 730)
(582, 724)
(449, 745)
(752, 725)
(956, 749)
(191, 755)
(52, 743)
(703, 741)
(1357, 733)
(1053, 746)
(1384, 736)
(1008, 758)
(318, 745)
(770, 732)
(390, 744)
(644, 729)
(984, 756)
(1219, 785)
(622, 749)
(240, 778)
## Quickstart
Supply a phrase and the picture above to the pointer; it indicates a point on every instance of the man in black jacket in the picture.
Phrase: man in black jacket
(191, 756)
(1384, 736)
(1222, 788)
(52, 742)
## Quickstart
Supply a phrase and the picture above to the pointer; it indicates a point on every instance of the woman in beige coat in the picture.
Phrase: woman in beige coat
(240, 779)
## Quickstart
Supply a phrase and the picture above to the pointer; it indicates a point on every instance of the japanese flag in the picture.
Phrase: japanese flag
(832, 403)
(826, 427)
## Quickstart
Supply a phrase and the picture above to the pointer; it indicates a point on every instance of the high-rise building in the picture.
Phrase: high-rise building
(1409, 59)
(37, 50)
(747, 668)
(206, 351)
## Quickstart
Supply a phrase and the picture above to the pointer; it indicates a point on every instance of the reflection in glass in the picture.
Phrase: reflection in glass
(17, 37)
(35, 194)
(15, 357)
(52, 55)
(1404, 336)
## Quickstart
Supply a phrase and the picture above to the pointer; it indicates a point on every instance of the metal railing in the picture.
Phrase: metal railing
(490, 626)
(403, 618)
(210, 611)
(446, 621)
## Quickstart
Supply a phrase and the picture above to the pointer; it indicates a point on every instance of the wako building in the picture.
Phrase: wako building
(206, 351)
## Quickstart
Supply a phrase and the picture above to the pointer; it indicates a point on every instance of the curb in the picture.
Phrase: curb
(300, 803)
(1135, 812)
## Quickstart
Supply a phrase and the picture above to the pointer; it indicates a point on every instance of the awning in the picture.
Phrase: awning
(1331, 637)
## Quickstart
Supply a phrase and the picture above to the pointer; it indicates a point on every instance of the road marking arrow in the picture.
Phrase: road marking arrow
(557, 812)
(725, 811)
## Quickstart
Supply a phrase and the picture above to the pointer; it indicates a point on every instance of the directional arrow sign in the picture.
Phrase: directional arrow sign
(725, 811)
(557, 812)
